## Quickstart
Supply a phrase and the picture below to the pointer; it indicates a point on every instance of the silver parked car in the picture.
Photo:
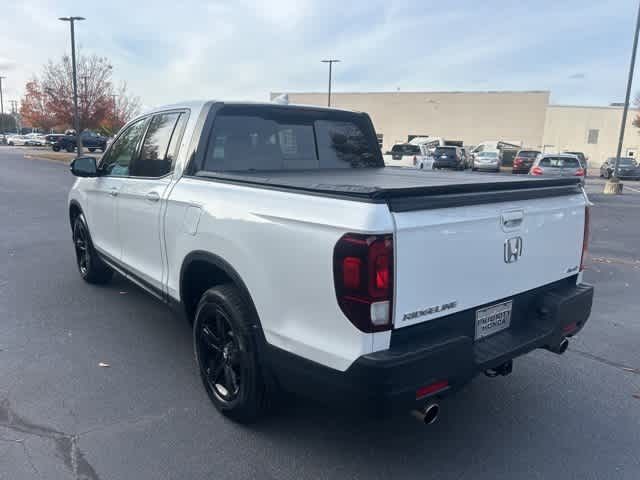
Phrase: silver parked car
(487, 160)
(557, 165)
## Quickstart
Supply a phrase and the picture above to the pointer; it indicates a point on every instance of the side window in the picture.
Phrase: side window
(116, 163)
(176, 139)
(153, 161)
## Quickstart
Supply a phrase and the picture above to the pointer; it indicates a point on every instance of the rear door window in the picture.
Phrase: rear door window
(250, 138)
(153, 161)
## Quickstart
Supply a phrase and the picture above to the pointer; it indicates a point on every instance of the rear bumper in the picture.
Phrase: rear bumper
(442, 349)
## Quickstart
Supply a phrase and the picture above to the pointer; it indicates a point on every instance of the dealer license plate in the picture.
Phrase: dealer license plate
(493, 319)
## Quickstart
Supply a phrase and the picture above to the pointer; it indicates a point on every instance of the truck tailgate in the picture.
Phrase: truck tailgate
(453, 259)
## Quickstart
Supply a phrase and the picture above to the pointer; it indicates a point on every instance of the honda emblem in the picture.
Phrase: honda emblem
(512, 249)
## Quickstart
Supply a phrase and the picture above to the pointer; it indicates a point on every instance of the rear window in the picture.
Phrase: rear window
(626, 161)
(559, 162)
(527, 153)
(249, 138)
(488, 154)
(406, 149)
(444, 151)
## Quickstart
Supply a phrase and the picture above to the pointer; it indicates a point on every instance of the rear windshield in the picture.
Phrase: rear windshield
(445, 151)
(559, 162)
(488, 154)
(625, 161)
(406, 149)
(527, 153)
(250, 138)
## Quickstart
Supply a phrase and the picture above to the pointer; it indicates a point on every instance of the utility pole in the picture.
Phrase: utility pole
(1, 111)
(86, 95)
(76, 120)
(614, 185)
(330, 62)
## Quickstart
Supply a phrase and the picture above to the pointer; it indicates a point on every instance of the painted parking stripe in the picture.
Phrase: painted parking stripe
(627, 187)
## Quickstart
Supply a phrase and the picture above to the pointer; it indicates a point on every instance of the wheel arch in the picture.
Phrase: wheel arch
(74, 210)
(202, 270)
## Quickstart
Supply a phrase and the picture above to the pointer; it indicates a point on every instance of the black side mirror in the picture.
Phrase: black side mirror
(84, 167)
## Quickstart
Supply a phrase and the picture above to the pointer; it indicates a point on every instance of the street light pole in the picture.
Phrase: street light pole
(76, 120)
(330, 62)
(614, 185)
(1, 110)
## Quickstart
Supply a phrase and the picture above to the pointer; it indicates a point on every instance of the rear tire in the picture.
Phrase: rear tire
(226, 348)
(69, 148)
(55, 148)
(91, 267)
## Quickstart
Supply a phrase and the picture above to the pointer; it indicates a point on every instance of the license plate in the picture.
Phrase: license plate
(493, 319)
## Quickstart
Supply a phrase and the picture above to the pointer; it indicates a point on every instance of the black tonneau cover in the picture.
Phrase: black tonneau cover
(404, 189)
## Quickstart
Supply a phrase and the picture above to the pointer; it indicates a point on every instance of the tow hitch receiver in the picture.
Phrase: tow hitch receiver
(504, 369)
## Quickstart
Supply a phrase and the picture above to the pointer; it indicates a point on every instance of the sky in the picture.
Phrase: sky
(245, 49)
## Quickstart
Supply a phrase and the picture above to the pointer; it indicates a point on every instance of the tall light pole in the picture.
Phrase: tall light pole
(76, 120)
(614, 185)
(1, 110)
(330, 62)
(115, 113)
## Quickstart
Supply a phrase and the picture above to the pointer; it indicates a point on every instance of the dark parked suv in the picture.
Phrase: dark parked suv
(524, 160)
(448, 157)
(627, 168)
(90, 140)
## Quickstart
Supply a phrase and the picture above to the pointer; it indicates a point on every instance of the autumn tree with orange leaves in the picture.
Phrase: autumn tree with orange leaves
(48, 102)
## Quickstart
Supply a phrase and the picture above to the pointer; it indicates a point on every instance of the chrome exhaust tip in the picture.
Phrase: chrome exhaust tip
(560, 348)
(428, 415)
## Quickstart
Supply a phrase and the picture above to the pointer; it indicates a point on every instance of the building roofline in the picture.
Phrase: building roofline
(387, 92)
(604, 107)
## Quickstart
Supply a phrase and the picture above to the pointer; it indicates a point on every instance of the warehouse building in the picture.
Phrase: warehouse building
(525, 118)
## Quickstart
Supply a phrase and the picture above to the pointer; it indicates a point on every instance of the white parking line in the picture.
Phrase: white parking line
(627, 187)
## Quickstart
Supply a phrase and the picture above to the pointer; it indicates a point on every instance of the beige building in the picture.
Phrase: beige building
(525, 118)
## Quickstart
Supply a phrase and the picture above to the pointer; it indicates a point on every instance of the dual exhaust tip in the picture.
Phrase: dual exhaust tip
(428, 415)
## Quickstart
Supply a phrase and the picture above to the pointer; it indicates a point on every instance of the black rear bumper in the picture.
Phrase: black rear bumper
(439, 350)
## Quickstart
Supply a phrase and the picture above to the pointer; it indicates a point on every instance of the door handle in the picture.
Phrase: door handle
(152, 196)
(113, 192)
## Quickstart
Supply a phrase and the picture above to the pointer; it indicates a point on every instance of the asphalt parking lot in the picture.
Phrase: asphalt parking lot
(146, 416)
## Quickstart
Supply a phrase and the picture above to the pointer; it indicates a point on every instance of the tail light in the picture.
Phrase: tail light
(537, 171)
(579, 172)
(585, 237)
(415, 160)
(517, 161)
(363, 277)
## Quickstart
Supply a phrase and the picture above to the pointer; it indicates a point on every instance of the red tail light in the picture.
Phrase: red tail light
(537, 171)
(585, 237)
(579, 172)
(363, 276)
(517, 161)
(415, 160)
(431, 389)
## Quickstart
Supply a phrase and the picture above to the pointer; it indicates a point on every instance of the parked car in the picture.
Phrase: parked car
(300, 259)
(402, 155)
(557, 165)
(523, 161)
(53, 138)
(34, 139)
(487, 160)
(448, 157)
(627, 168)
(90, 140)
(584, 161)
(17, 140)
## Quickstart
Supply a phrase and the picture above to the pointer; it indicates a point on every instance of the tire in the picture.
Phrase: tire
(55, 148)
(69, 148)
(92, 269)
(11, 144)
(91, 149)
(226, 349)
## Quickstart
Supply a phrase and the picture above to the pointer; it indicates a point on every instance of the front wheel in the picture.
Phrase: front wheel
(226, 351)
(92, 268)
(69, 148)
(55, 148)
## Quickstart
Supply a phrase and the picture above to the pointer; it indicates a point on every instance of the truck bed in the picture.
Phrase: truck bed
(405, 189)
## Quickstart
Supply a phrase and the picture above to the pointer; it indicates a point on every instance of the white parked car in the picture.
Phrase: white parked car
(307, 266)
(17, 140)
(409, 155)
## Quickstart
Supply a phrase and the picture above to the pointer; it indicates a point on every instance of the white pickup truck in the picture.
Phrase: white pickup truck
(307, 266)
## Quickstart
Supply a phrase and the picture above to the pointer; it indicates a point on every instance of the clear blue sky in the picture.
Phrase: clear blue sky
(168, 51)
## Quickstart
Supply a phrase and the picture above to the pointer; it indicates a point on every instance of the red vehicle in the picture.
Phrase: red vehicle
(524, 160)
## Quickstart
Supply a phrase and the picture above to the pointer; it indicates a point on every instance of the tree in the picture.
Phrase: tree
(33, 108)
(95, 94)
